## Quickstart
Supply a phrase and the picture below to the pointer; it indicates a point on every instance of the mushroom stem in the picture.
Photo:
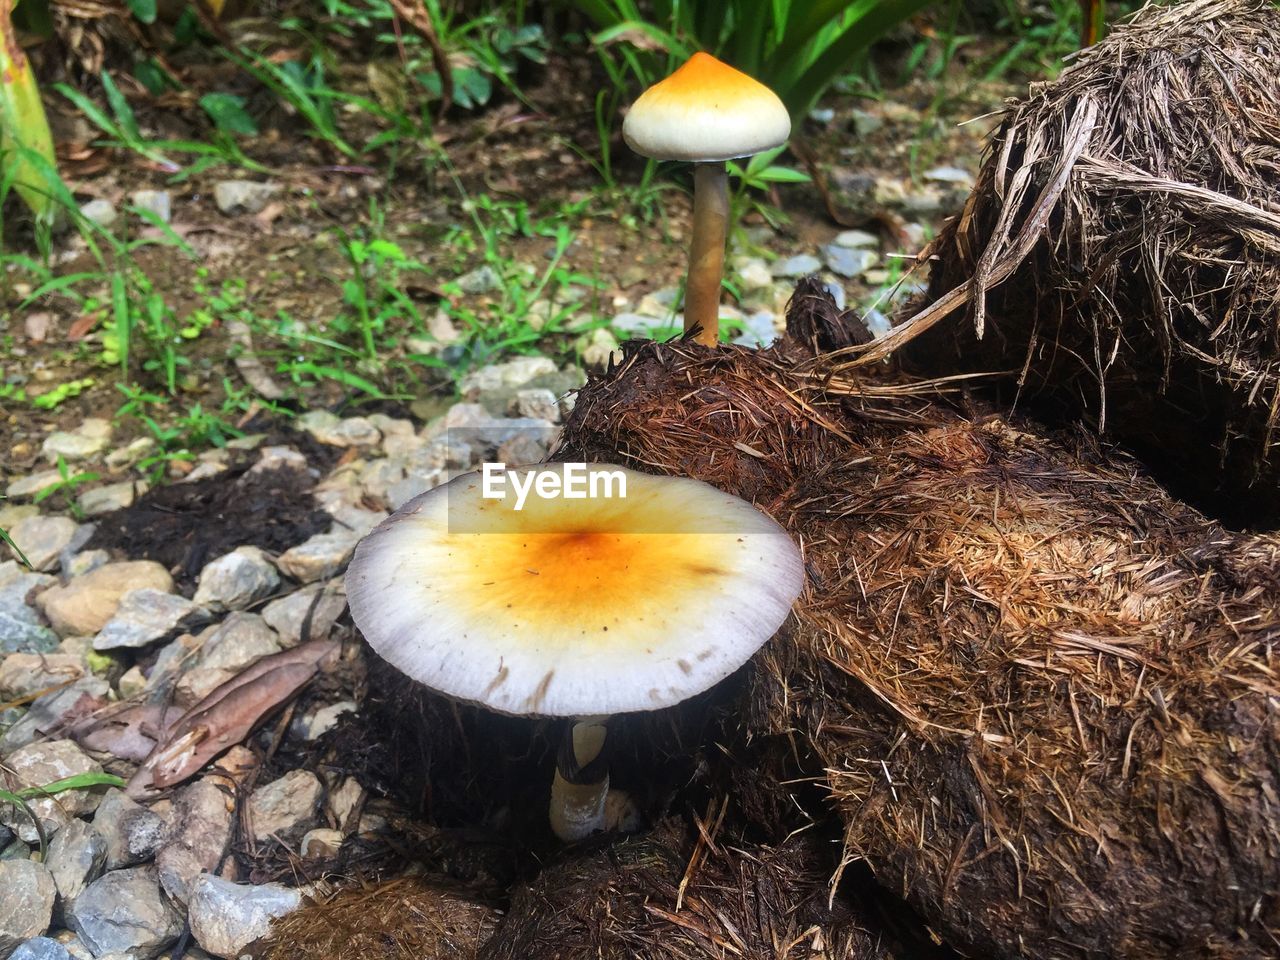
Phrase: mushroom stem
(581, 783)
(706, 251)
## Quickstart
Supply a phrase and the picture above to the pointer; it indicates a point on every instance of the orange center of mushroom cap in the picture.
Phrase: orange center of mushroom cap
(712, 81)
(573, 606)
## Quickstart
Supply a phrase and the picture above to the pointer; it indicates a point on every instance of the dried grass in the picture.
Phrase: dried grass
(1041, 692)
(1119, 257)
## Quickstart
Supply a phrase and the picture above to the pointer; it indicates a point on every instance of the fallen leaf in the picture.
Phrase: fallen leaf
(83, 325)
(228, 714)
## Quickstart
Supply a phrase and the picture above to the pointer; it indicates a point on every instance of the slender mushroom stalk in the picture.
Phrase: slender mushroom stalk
(706, 251)
(581, 784)
(573, 606)
(706, 112)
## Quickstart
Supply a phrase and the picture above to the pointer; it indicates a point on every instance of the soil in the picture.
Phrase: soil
(185, 525)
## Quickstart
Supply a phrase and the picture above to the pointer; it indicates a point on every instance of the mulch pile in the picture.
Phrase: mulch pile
(1119, 258)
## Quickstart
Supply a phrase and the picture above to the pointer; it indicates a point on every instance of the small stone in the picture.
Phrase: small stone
(414, 484)
(84, 605)
(124, 912)
(157, 202)
(86, 441)
(284, 805)
(823, 115)
(35, 765)
(923, 203)
(537, 403)
(321, 557)
(837, 293)
(344, 799)
(251, 441)
(356, 519)
(326, 718)
(226, 916)
(131, 831)
(848, 261)
(279, 458)
(20, 636)
(380, 474)
(48, 713)
(315, 608)
(856, 238)
(40, 948)
(202, 818)
(753, 273)
(479, 281)
(236, 580)
(639, 326)
(391, 426)
(798, 266)
(321, 844)
(102, 212)
(114, 496)
(953, 175)
(915, 236)
(522, 449)
(600, 348)
(27, 895)
(197, 683)
(29, 486)
(243, 196)
(145, 616)
(22, 674)
(130, 453)
(131, 683)
(238, 641)
(511, 375)
(328, 428)
(13, 513)
(865, 123)
(78, 564)
(42, 539)
(758, 330)
(76, 857)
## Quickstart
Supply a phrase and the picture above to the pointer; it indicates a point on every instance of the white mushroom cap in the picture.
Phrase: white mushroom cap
(706, 111)
(573, 607)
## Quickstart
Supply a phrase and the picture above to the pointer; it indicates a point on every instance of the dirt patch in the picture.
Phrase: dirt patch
(185, 525)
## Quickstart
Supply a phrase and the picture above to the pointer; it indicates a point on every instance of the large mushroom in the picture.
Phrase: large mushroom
(635, 596)
(706, 112)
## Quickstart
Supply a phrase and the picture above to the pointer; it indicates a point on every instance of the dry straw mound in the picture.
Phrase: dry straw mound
(678, 895)
(1041, 693)
(406, 919)
(1119, 258)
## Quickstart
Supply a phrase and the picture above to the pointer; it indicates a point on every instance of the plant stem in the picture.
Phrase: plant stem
(706, 251)
(581, 782)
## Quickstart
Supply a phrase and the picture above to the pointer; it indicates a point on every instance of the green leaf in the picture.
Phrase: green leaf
(120, 108)
(227, 112)
(144, 10)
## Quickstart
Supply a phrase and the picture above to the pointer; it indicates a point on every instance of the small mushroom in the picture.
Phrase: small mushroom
(636, 596)
(706, 112)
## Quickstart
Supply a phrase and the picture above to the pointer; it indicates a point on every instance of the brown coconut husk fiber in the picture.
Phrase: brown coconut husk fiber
(681, 894)
(1040, 693)
(1119, 258)
(407, 919)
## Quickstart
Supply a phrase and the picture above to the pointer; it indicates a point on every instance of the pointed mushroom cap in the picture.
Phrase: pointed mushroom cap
(573, 607)
(706, 111)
